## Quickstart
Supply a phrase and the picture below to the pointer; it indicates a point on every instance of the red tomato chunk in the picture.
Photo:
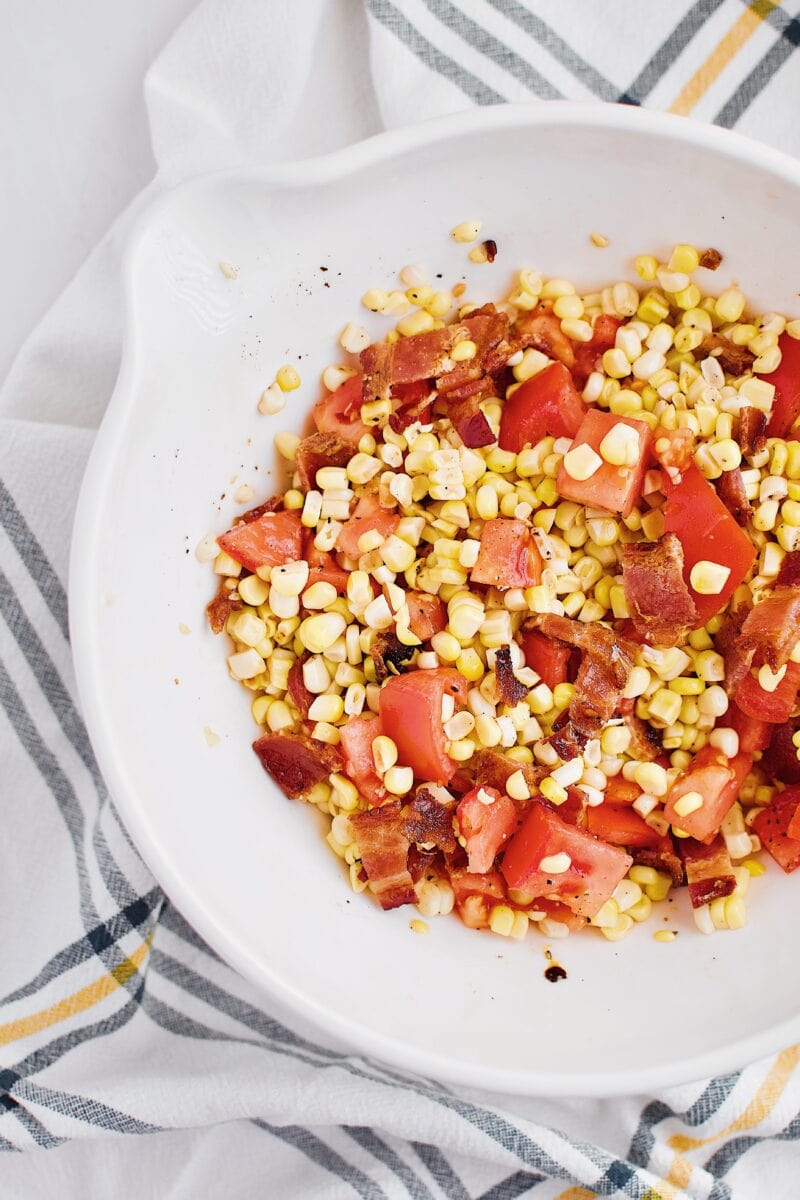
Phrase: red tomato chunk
(340, 412)
(411, 715)
(548, 658)
(620, 826)
(269, 541)
(508, 557)
(357, 735)
(595, 868)
(546, 404)
(772, 707)
(426, 615)
(614, 488)
(718, 780)
(485, 826)
(367, 515)
(773, 824)
(786, 379)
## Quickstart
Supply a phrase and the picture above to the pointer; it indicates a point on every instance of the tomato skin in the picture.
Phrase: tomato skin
(679, 450)
(620, 790)
(772, 707)
(772, 826)
(357, 738)
(781, 761)
(548, 658)
(411, 715)
(619, 825)
(323, 567)
(596, 868)
(476, 895)
(269, 541)
(547, 403)
(366, 515)
(754, 734)
(508, 556)
(340, 411)
(427, 615)
(786, 407)
(718, 780)
(556, 911)
(706, 530)
(587, 356)
(486, 827)
(612, 488)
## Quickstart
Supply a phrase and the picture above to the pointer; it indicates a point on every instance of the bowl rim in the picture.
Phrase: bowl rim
(88, 670)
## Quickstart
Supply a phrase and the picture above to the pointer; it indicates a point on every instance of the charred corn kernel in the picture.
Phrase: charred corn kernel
(553, 792)
(287, 378)
(279, 716)
(646, 267)
(582, 462)
(398, 780)
(470, 666)
(708, 578)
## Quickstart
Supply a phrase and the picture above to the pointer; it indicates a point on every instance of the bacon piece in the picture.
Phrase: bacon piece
(769, 630)
(733, 359)
(541, 329)
(423, 864)
(320, 450)
(302, 697)
(661, 858)
(411, 402)
(470, 423)
(220, 608)
(594, 639)
(780, 760)
(732, 493)
(430, 821)
(492, 770)
(389, 655)
(789, 574)
(383, 846)
(296, 761)
(709, 871)
(752, 431)
(510, 688)
(487, 328)
(645, 740)
(710, 259)
(274, 504)
(661, 606)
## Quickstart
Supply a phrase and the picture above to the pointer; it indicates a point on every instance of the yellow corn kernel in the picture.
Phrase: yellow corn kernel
(470, 666)
(729, 305)
(708, 578)
(501, 920)
(653, 309)
(287, 378)
(463, 351)
(399, 780)
(664, 935)
(467, 231)
(552, 791)
(646, 267)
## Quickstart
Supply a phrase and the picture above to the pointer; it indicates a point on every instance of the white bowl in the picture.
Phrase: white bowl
(247, 867)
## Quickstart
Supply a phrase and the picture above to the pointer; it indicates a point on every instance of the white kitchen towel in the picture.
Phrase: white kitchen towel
(115, 1019)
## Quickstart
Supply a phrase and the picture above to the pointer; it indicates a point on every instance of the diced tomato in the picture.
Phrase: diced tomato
(546, 404)
(707, 532)
(718, 780)
(357, 736)
(340, 411)
(554, 910)
(269, 541)
(366, 515)
(595, 867)
(774, 707)
(786, 407)
(486, 827)
(673, 448)
(408, 402)
(619, 825)
(754, 734)
(476, 895)
(426, 615)
(411, 715)
(614, 488)
(772, 825)
(620, 790)
(323, 567)
(508, 556)
(547, 657)
(588, 355)
(781, 760)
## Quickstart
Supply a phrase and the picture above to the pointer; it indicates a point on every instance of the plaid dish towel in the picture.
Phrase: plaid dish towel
(115, 1019)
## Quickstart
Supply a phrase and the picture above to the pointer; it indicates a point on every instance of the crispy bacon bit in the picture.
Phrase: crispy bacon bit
(709, 871)
(424, 864)
(645, 740)
(469, 421)
(383, 846)
(299, 693)
(429, 821)
(296, 761)
(733, 359)
(594, 639)
(752, 431)
(781, 759)
(542, 330)
(220, 608)
(661, 606)
(769, 629)
(789, 574)
(510, 688)
(320, 450)
(710, 259)
(492, 770)
(661, 858)
(389, 655)
(490, 246)
(274, 504)
(488, 329)
(411, 402)
(733, 494)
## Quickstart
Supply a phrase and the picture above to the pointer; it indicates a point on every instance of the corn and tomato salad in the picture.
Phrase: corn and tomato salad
(524, 624)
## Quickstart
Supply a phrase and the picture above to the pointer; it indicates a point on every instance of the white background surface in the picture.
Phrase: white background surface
(74, 141)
